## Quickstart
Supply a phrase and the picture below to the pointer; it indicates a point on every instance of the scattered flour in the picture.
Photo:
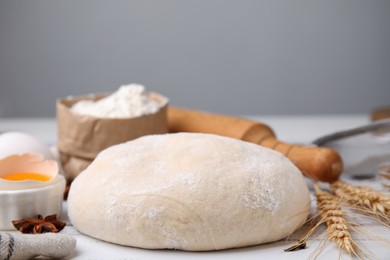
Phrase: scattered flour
(127, 102)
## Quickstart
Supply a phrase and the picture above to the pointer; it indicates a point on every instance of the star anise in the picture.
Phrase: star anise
(39, 225)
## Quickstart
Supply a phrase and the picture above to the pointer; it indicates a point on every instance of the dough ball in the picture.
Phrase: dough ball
(194, 192)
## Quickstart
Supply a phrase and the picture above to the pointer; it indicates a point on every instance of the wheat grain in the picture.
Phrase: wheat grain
(364, 198)
(330, 212)
(338, 228)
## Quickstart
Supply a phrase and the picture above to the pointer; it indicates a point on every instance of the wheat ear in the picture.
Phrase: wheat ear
(365, 198)
(330, 211)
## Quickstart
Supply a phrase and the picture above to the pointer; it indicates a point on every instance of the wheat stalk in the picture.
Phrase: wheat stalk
(330, 211)
(364, 198)
(339, 228)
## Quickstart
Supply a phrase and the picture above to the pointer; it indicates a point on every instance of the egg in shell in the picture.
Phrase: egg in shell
(26, 171)
(20, 143)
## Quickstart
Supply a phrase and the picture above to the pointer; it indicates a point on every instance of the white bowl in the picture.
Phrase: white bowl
(18, 204)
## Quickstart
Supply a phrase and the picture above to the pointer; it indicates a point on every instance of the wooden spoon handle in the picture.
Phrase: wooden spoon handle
(322, 164)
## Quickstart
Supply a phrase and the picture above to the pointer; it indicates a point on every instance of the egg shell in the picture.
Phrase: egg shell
(34, 163)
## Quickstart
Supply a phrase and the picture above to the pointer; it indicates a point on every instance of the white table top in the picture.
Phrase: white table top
(296, 129)
(287, 128)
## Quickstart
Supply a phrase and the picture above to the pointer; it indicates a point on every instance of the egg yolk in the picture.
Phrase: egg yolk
(21, 176)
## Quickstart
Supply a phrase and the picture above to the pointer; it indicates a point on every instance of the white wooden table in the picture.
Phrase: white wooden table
(296, 129)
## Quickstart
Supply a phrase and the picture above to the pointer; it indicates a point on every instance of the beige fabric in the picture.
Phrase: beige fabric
(191, 192)
(26, 246)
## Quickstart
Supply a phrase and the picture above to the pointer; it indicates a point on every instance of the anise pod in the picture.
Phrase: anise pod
(39, 225)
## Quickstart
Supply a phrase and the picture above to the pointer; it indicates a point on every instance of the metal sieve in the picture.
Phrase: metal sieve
(362, 149)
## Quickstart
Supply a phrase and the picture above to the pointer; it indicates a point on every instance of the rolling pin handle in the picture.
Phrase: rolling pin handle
(317, 163)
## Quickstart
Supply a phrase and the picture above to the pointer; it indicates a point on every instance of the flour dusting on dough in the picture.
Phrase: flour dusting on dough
(189, 191)
(262, 198)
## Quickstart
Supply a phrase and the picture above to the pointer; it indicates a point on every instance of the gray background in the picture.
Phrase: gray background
(235, 57)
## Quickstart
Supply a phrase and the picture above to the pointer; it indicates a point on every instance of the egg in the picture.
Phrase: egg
(20, 143)
(26, 171)
(29, 185)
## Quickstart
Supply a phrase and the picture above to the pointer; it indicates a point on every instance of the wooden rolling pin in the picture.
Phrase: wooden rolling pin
(318, 163)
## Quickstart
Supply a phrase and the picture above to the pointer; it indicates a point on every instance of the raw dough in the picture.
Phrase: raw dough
(192, 192)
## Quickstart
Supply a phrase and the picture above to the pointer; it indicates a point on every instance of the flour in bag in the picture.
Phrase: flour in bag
(128, 101)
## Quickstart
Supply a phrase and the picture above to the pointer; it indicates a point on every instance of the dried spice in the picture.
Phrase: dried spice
(39, 225)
